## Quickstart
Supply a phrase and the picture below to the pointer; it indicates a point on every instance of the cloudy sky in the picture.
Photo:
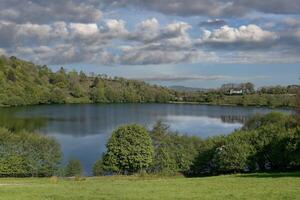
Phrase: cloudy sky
(198, 43)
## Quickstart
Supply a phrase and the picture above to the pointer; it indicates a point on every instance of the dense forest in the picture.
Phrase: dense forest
(24, 83)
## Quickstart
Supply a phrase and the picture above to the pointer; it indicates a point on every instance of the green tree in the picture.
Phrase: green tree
(98, 168)
(98, 92)
(232, 156)
(58, 96)
(129, 150)
(173, 153)
(11, 75)
(73, 168)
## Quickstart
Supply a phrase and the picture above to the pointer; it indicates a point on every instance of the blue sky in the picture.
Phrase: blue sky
(197, 43)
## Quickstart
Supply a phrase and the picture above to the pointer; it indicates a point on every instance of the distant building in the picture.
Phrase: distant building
(235, 91)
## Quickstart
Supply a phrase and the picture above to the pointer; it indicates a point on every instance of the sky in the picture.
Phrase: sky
(194, 43)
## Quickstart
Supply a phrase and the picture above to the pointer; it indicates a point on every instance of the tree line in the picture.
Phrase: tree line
(24, 83)
(268, 142)
(265, 143)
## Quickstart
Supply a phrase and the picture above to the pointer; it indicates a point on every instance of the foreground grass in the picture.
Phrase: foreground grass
(251, 186)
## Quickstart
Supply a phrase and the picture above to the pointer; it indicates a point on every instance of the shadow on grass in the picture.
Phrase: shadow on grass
(271, 175)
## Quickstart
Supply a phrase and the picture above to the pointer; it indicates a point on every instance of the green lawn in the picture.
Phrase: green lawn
(252, 186)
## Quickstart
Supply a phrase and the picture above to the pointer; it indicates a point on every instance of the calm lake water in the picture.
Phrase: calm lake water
(83, 130)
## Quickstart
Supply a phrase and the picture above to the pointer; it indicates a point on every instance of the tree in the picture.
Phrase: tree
(73, 168)
(97, 93)
(173, 153)
(98, 168)
(249, 87)
(129, 150)
(233, 156)
(11, 75)
(57, 96)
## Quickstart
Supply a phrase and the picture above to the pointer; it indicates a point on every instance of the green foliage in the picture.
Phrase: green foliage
(73, 168)
(129, 150)
(27, 154)
(98, 168)
(23, 83)
(173, 153)
(266, 142)
(232, 156)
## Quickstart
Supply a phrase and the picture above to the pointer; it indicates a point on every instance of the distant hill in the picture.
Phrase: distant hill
(188, 89)
(24, 83)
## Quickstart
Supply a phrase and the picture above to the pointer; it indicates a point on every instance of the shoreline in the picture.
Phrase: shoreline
(170, 102)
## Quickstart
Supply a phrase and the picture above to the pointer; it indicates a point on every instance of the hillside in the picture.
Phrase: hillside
(24, 83)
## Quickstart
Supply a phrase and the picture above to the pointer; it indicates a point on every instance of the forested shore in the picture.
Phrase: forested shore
(24, 83)
(265, 143)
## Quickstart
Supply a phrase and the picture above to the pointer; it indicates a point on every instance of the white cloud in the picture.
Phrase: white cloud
(147, 30)
(84, 29)
(116, 27)
(249, 33)
(2, 51)
(34, 30)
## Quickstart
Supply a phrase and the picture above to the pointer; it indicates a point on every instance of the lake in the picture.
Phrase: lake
(83, 130)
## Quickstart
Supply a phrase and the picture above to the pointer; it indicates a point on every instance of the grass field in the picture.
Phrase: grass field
(252, 186)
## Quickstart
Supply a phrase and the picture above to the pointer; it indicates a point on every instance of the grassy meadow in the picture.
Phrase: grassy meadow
(247, 186)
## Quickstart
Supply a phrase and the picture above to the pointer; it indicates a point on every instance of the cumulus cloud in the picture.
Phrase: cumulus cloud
(249, 33)
(84, 29)
(73, 31)
(249, 36)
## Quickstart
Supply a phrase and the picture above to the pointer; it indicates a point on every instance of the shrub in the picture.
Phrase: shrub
(98, 168)
(73, 168)
(129, 150)
(173, 153)
(233, 156)
(27, 154)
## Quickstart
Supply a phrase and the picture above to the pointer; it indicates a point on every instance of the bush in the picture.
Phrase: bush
(129, 150)
(233, 156)
(173, 153)
(73, 168)
(25, 154)
(266, 142)
(98, 168)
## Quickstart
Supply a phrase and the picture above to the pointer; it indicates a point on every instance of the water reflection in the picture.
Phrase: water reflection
(9, 120)
(83, 130)
(199, 125)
